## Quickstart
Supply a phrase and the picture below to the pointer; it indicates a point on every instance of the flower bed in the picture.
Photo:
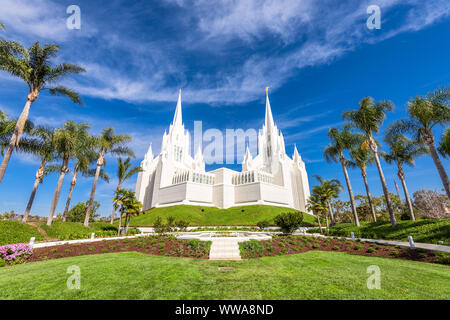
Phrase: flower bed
(15, 253)
(283, 245)
(155, 245)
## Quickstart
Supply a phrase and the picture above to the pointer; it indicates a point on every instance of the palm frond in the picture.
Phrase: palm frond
(71, 94)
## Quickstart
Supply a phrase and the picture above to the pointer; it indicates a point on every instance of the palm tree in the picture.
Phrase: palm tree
(85, 157)
(69, 139)
(361, 158)
(403, 151)
(444, 146)
(2, 27)
(317, 206)
(425, 113)
(107, 142)
(33, 66)
(328, 189)
(342, 140)
(369, 118)
(124, 172)
(45, 149)
(129, 205)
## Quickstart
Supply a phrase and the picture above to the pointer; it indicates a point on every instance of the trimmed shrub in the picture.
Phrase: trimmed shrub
(262, 224)
(289, 222)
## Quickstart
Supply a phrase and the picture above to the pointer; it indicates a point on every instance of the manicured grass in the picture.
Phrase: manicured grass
(425, 230)
(311, 275)
(212, 216)
(17, 232)
(74, 230)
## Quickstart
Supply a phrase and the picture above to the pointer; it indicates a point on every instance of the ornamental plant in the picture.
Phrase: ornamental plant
(15, 253)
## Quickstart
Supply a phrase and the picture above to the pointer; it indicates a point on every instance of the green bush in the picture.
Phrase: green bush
(78, 212)
(263, 224)
(252, 248)
(289, 222)
(17, 232)
(182, 225)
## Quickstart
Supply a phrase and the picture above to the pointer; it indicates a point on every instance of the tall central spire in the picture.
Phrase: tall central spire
(177, 118)
(269, 118)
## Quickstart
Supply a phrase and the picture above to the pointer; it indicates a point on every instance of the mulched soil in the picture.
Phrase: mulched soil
(283, 245)
(157, 245)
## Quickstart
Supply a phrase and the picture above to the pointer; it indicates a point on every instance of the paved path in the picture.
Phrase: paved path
(225, 249)
(428, 246)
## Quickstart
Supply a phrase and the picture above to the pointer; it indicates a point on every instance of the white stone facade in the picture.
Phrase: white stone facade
(271, 178)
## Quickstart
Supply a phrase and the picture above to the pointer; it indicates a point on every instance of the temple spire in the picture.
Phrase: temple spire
(177, 118)
(149, 152)
(269, 118)
(296, 156)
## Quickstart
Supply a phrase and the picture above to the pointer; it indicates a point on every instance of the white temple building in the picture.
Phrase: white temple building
(271, 178)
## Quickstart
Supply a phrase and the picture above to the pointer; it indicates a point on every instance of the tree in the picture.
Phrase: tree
(431, 203)
(361, 158)
(289, 222)
(34, 68)
(44, 148)
(444, 146)
(77, 212)
(107, 142)
(369, 118)
(317, 206)
(69, 140)
(328, 189)
(84, 158)
(342, 140)
(403, 151)
(125, 171)
(425, 113)
(2, 27)
(128, 205)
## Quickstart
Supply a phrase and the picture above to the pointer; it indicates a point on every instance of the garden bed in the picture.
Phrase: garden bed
(284, 245)
(155, 245)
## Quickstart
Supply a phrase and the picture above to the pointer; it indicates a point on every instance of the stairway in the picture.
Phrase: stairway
(224, 249)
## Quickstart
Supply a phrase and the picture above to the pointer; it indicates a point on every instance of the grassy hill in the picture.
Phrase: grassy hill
(17, 232)
(211, 216)
(423, 230)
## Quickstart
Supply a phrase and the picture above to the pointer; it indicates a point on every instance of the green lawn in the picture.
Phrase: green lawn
(424, 230)
(17, 232)
(212, 216)
(311, 275)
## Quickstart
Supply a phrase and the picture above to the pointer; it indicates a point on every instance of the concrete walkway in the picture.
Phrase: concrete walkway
(224, 249)
(427, 246)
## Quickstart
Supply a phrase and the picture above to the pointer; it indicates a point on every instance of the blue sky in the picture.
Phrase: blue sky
(318, 57)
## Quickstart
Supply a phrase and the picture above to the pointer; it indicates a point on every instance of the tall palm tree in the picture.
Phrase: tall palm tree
(33, 66)
(342, 140)
(125, 171)
(403, 151)
(316, 204)
(84, 158)
(45, 149)
(328, 189)
(107, 142)
(68, 141)
(444, 146)
(361, 158)
(369, 118)
(425, 113)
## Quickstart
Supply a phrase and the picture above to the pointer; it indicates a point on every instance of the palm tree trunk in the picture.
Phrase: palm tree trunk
(62, 174)
(39, 175)
(383, 183)
(14, 141)
(350, 190)
(113, 213)
(333, 222)
(120, 224)
(69, 197)
(94, 186)
(318, 221)
(401, 176)
(438, 164)
(328, 227)
(369, 197)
